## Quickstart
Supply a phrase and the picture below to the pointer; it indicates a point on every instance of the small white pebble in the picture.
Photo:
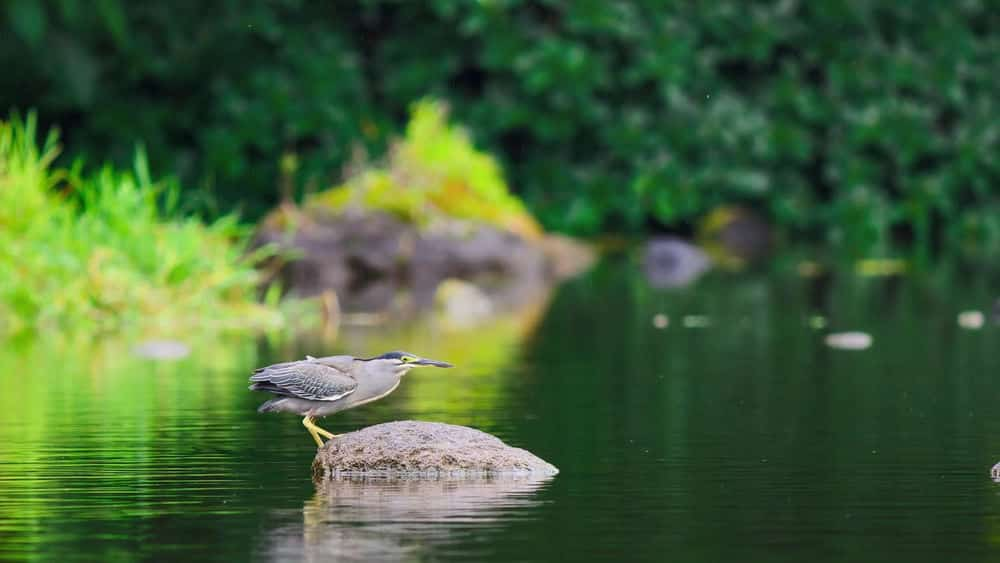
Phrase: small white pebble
(972, 320)
(849, 340)
(661, 321)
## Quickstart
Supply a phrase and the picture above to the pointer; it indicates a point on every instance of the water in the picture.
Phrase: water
(740, 436)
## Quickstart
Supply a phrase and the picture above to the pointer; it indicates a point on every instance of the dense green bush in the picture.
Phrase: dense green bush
(849, 121)
(116, 255)
(433, 172)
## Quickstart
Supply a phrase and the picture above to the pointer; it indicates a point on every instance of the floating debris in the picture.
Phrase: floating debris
(880, 267)
(849, 340)
(972, 320)
(696, 321)
(817, 322)
(162, 350)
(661, 321)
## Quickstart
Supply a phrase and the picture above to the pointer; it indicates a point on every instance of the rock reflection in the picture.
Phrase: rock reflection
(397, 518)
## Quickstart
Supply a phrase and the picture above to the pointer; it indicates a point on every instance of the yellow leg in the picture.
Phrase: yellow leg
(316, 431)
(308, 423)
(325, 433)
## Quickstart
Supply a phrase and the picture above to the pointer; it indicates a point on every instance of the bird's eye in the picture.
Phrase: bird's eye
(407, 359)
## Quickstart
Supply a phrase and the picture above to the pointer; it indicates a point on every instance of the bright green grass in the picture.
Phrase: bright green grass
(108, 250)
(434, 171)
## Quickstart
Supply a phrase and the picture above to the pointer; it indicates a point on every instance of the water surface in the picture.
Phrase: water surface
(737, 435)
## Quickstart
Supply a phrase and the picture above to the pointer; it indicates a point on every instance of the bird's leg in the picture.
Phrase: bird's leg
(324, 433)
(313, 430)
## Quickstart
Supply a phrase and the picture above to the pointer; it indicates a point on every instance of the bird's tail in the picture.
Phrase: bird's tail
(271, 406)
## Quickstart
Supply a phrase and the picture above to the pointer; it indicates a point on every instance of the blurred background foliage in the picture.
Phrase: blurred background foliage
(857, 123)
(434, 172)
(108, 250)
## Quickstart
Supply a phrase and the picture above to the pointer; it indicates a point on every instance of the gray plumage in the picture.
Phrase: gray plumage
(316, 379)
(317, 387)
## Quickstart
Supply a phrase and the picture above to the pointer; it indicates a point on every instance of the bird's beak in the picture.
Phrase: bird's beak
(428, 362)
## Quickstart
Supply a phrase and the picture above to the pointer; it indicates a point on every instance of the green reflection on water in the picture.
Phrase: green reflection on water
(87, 429)
(743, 436)
(473, 392)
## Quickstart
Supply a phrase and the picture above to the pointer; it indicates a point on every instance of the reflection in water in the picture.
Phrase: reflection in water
(482, 355)
(747, 440)
(395, 518)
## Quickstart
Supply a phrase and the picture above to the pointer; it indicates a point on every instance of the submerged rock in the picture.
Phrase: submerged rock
(424, 448)
(671, 262)
(734, 235)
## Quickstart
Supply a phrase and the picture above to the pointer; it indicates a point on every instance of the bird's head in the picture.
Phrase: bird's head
(402, 362)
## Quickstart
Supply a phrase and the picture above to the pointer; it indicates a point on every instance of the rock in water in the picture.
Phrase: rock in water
(424, 448)
(853, 340)
(671, 262)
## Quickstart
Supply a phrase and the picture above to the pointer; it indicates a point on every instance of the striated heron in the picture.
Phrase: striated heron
(317, 387)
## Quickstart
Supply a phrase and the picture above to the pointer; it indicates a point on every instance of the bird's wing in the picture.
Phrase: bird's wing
(340, 363)
(305, 380)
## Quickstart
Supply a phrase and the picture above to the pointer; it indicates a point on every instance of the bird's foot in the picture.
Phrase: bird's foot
(326, 434)
(316, 431)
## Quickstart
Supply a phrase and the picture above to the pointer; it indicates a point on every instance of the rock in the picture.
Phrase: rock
(672, 262)
(661, 321)
(353, 250)
(736, 233)
(338, 253)
(849, 340)
(972, 320)
(567, 257)
(423, 448)
(462, 303)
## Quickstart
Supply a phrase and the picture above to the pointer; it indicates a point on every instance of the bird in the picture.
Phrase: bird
(318, 387)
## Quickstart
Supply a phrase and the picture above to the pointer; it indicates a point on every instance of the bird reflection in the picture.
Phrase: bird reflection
(394, 518)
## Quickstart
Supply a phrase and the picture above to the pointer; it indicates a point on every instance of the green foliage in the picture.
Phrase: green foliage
(855, 122)
(435, 171)
(101, 251)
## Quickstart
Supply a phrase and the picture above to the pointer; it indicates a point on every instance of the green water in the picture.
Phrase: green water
(746, 439)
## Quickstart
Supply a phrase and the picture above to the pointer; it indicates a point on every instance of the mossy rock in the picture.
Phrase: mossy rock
(424, 448)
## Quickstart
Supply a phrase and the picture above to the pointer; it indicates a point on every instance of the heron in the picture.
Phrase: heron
(319, 387)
